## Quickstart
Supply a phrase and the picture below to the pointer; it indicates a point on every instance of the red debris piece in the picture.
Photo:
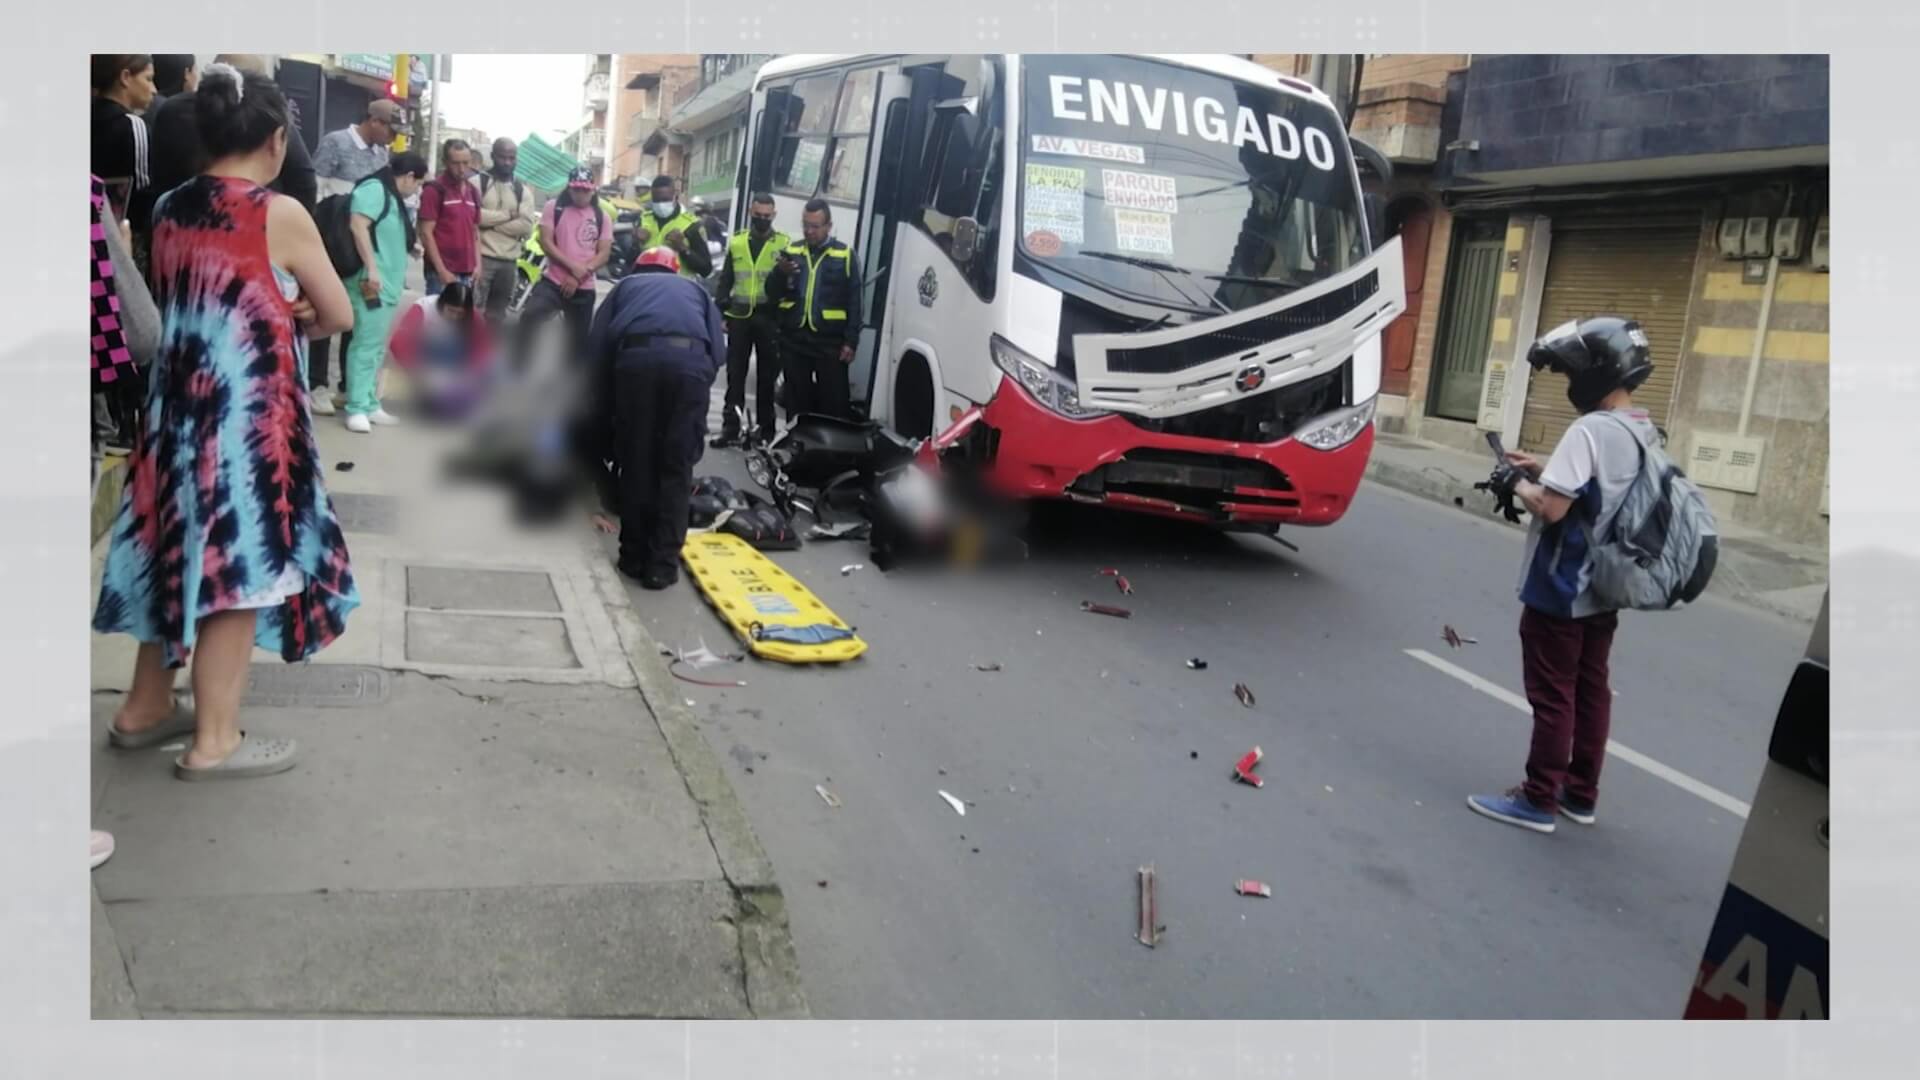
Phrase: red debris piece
(1103, 609)
(1243, 769)
(1253, 888)
(1120, 582)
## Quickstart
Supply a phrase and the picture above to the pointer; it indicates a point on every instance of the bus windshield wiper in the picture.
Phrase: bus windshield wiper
(1158, 267)
(1134, 260)
(1249, 279)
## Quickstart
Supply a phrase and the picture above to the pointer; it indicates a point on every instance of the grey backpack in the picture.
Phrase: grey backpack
(1661, 547)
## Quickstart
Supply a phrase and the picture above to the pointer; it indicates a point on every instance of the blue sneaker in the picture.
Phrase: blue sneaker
(1512, 808)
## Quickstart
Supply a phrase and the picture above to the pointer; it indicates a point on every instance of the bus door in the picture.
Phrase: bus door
(878, 155)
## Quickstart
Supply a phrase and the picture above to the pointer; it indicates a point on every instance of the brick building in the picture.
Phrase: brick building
(1689, 192)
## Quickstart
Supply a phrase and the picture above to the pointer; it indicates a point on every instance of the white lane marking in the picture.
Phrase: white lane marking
(1614, 747)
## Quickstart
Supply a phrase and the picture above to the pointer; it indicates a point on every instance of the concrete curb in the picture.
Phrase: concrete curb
(1444, 488)
(772, 967)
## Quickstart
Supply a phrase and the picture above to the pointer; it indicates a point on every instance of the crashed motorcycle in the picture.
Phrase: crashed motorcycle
(912, 499)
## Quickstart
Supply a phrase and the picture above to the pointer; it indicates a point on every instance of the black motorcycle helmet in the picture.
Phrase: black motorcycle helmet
(1597, 355)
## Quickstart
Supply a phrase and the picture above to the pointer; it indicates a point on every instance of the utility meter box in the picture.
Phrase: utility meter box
(1733, 242)
(1759, 238)
(1786, 239)
(1817, 253)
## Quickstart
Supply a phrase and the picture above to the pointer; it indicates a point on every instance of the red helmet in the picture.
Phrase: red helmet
(664, 258)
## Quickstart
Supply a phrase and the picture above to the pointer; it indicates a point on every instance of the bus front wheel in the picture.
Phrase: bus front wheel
(913, 397)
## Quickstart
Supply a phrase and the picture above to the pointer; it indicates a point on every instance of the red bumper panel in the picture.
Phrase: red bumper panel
(1041, 455)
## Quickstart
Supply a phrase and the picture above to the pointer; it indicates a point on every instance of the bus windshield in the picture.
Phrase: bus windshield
(1191, 190)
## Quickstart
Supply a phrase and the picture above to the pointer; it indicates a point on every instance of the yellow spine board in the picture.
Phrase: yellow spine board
(745, 587)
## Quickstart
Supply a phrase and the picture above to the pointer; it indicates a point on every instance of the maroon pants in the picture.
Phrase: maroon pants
(1565, 662)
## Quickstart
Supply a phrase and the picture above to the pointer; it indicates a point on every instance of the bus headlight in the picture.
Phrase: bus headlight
(1047, 386)
(1331, 431)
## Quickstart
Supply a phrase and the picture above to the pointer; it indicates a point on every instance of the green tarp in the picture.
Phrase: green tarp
(544, 165)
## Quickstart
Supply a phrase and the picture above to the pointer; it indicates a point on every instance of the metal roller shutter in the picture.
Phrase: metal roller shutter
(1638, 266)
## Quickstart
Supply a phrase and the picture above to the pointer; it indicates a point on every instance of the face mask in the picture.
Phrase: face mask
(761, 226)
(662, 209)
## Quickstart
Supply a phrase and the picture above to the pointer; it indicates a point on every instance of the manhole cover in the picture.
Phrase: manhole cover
(334, 686)
(489, 640)
(444, 588)
(366, 513)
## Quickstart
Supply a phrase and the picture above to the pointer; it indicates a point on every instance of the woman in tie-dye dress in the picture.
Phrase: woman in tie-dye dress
(226, 538)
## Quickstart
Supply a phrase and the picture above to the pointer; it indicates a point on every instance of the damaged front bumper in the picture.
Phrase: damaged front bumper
(1022, 450)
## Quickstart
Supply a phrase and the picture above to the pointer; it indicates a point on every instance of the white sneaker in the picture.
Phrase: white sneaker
(358, 422)
(321, 403)
(383, 417)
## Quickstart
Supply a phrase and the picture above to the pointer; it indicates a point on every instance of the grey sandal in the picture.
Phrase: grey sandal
(180, 721)
(257, 755)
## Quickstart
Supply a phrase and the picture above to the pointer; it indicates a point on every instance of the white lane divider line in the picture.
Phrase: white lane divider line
(1615, 748)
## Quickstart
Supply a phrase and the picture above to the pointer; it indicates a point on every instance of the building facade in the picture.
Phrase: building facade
(1689, 192)
(710, 122)
(642, 87)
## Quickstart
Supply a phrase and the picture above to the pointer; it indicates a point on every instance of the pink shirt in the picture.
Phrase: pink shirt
(577, 240)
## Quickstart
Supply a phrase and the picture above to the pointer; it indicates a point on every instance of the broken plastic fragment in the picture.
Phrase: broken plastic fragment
(1197, 664)
(1452, 637)
(986, 667)
(1245, 695)
(1253, 888)
(1243, 769)
(1120, 582)
(1150, 928)
(826, 796)
(850, 568)
(958, 806)
(1103, 609)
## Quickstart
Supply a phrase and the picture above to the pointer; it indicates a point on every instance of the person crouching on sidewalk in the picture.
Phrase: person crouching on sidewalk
(656, 347)
(1566, 633)
(447, 351)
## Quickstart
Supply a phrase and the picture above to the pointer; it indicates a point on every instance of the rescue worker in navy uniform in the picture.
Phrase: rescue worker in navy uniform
(752, 329)
(657, 345)
(665, 223)
(817, 288)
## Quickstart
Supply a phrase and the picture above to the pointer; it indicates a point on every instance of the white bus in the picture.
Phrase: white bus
(1143, 281)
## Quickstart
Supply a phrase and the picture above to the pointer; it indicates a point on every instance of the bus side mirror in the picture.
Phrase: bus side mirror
(966, 240)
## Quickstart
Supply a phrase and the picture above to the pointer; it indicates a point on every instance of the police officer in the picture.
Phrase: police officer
(752, 329)
(657, 346)
(817, 288)
(665, 223)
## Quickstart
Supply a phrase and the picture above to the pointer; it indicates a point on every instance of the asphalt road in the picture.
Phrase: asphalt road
(1096, 750)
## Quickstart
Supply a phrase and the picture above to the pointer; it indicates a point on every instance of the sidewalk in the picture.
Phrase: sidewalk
(1754, 568)
(497, 810)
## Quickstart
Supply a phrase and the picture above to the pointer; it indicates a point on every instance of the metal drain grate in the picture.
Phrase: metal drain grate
(327, 686)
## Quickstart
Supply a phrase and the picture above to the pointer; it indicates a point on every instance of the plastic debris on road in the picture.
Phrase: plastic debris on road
(851, 567)
(1197, 664)
(1253, 888)
(958, 806)
(1452, 637)
(986, 667)
(1245, 695)
(1243, 769)
(826, 796)
(343, 466)
(1103, 609)
(846, 530)
(1150, 929)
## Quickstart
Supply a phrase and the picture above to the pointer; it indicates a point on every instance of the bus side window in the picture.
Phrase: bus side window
(962, 155)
